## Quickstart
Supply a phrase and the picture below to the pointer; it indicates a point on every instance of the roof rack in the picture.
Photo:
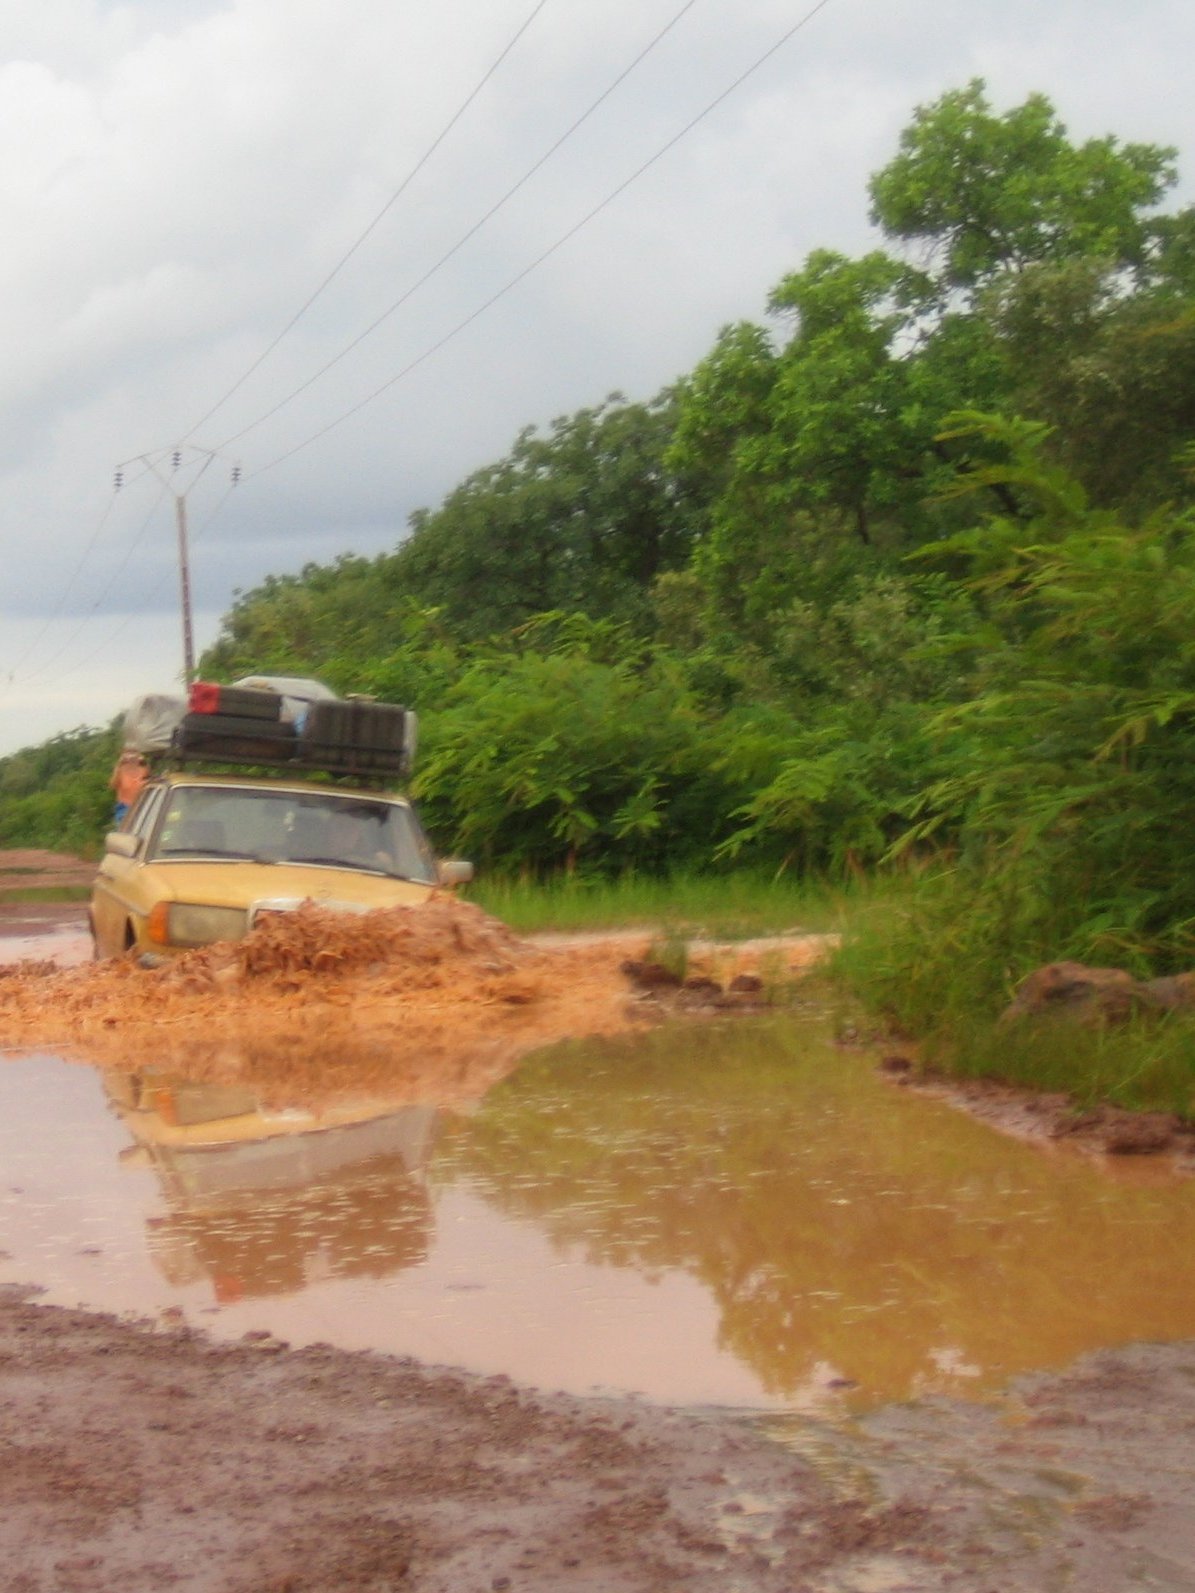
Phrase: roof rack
(259, 727)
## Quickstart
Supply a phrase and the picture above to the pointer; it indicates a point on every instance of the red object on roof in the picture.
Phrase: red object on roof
(203, 697)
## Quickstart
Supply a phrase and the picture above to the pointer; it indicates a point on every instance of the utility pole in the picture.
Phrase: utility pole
(184, 581)
(155, 463)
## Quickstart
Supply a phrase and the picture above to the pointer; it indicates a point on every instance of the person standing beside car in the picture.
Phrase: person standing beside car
(129, 775)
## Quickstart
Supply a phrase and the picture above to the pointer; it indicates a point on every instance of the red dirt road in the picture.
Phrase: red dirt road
(137, 1459)
(140, 1459)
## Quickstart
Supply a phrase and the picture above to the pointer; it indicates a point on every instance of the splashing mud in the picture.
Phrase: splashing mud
(315, 1004)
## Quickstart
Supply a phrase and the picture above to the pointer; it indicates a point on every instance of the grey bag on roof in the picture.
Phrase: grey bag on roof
(150, 723)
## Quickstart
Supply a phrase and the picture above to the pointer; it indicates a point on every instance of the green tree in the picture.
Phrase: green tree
(975, 194)
(1071, 767)
(846, 434)
(56, 795)
(579, 751)
(583, 518)
(821, 453)
(1111, 371)
(317, 622)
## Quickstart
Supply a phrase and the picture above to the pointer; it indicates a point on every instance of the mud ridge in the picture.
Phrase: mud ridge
(1045, 1115)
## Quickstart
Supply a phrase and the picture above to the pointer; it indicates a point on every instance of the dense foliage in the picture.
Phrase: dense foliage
(899, 575)
(56, 795)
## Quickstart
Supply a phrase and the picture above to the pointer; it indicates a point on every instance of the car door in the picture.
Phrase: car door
(115, 898)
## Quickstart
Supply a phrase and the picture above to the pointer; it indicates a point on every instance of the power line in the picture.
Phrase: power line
(472, 231)
(91, 612)
(151, 464)
(128, 619)
(102, 647)
(12, 674)
(553, 248)
(461, 326)
(394, 197)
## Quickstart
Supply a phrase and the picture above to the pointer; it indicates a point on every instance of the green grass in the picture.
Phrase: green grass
(1146, 1064)
(44, 893)
(724, 907)
(937, 963)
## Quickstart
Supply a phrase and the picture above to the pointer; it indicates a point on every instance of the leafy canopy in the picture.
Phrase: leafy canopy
(976, 194)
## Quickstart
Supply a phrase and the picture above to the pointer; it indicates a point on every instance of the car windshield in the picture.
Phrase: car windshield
(329, 830)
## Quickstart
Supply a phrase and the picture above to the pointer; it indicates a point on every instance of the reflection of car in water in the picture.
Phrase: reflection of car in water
(267, 1203)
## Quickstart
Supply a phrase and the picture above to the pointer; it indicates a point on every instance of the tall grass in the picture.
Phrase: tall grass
(938, 957)
(730, 906)
(1146, 1064)
(928, 951)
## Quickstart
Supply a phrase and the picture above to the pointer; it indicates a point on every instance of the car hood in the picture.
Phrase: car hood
(239, 884)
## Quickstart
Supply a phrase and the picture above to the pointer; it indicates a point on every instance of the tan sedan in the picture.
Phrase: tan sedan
(199, 856)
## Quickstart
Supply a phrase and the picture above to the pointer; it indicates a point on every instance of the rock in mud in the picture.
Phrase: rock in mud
(1096, 995)
(895, 1063)
(651, 975)
(1118, 1132)
(1141, 1134)
(745, 984)
(703, 982)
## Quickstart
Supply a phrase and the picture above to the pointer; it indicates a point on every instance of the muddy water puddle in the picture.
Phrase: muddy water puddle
(737, 1215)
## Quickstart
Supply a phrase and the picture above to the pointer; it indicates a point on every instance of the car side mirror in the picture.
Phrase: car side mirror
(454, 871)
(122, 844)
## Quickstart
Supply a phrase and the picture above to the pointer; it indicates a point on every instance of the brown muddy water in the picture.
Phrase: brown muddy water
(738, 1214)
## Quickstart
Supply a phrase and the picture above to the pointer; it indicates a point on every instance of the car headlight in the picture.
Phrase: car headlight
(190, 924)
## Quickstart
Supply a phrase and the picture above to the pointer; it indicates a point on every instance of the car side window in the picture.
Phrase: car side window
(145, 813)
(413, 857)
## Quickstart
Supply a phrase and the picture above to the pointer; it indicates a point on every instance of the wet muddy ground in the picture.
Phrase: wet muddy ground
(141, 1459)
(148, 1454)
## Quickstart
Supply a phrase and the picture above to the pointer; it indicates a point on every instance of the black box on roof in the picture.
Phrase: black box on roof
(358, 736)
(234, 738)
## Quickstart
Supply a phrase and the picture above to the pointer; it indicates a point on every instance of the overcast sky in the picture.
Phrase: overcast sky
(178, 178)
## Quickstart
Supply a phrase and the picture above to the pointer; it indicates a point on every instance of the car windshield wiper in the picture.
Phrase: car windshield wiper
(334, 862)
(359, 867)
(207, 851)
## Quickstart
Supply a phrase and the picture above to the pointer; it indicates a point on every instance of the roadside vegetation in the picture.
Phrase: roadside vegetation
(56, 795)
(888, 602)
(737, 905)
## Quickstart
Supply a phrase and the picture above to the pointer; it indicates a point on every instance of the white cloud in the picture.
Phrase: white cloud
(177, 176)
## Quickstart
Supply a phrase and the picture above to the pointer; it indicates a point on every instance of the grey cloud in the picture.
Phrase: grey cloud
(175, 179)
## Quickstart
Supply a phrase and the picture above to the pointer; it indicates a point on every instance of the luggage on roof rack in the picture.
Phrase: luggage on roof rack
(360, 737)
(289, 723)
(151, 722)
(297, 686)
(235, 738)
(238, 702)
(296, 692)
